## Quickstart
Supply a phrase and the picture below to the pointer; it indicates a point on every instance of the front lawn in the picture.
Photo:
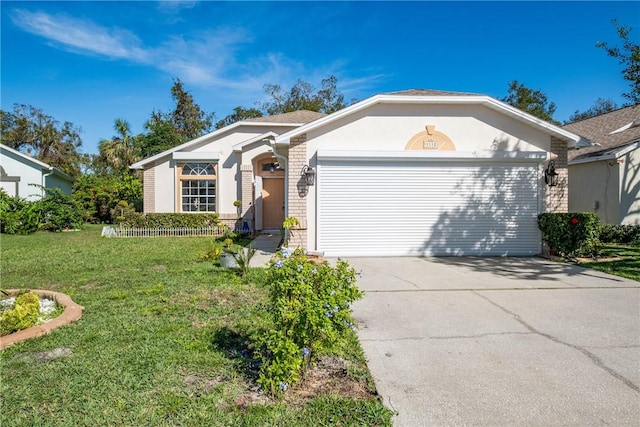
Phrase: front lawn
(619, 260)
(163, 341)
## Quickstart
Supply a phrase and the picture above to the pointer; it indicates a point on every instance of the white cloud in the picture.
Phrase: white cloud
(81, 35)
(211, 59)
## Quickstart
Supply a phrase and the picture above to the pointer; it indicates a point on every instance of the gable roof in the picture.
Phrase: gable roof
(35, 163)
(296, 118)
(430, 96)
(300, 116)
(616, 133)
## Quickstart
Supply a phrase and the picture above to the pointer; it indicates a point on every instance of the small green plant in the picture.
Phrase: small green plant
(571, 234)
(24, 313)
(243, 259)
(213, 254)
(310, 305)
(288, 224)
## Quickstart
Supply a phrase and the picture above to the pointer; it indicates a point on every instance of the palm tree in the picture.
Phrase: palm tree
(119, 152)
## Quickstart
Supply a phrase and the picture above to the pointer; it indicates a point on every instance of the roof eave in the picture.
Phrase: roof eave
(612, 156)
(572, 139)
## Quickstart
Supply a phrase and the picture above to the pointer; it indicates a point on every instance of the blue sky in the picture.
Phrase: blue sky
(92, 62)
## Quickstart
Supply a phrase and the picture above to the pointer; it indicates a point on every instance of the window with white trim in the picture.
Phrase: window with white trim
(197, 187)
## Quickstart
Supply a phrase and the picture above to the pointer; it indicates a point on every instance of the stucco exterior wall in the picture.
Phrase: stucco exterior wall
(56, 181)
(594, 188)
(629, 168)
(391, 127)
(16, 166)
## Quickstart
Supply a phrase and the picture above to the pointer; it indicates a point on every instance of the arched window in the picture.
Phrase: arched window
(197, 187)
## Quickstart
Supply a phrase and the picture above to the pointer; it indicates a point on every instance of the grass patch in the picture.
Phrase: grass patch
(619, 260)
(163, 341)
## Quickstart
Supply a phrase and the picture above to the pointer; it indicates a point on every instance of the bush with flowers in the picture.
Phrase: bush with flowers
(310, 308)
(572, 233)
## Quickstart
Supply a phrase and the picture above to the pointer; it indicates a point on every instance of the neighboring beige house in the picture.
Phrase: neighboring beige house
(23, 176)
(606, 178)
(418, 172)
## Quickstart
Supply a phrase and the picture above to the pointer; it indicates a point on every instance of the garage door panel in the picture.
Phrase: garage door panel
(423, 208)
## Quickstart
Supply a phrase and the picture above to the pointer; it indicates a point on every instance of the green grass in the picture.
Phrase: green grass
(162, 341)
(627, 266)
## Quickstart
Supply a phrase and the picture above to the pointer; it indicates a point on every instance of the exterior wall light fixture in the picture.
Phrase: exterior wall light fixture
(550, 174)
(309, 174)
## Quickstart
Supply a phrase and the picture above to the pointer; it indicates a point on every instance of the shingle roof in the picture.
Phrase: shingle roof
(300, 116)
(600, 129)
(430, 92)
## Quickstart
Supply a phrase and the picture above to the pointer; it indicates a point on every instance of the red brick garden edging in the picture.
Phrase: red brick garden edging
(72, 312)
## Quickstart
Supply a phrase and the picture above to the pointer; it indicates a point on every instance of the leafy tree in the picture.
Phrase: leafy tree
(161, 135)
(119, 152)
(302, 97)
(601, 106)
(188, 119)
(239, 113)
(629, 56)
(31, 131)
(531, 101)
(167, 130)
(100, 194)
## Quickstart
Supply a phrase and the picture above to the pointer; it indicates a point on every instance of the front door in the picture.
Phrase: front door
(272, 202)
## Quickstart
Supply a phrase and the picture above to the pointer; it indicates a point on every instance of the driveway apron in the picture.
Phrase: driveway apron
(500, 341)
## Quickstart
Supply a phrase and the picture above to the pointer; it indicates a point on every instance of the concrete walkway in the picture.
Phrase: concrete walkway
(267, 245)
(500, 341)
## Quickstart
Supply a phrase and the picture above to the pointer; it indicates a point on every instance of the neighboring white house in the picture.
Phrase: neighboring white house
(23, 176)
(418, 172)
(606, 178)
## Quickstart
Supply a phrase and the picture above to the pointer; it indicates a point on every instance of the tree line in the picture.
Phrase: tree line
(105, 178)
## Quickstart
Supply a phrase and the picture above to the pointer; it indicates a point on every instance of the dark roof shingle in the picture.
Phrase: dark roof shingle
(601, 129)
(300, 116)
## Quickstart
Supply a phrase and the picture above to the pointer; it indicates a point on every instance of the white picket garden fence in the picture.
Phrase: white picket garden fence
(109, 231)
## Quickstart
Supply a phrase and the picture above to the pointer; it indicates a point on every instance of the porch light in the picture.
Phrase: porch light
(550, 174)
(309, 174)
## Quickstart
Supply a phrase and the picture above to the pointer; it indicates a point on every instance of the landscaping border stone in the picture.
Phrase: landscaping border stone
(72, 312)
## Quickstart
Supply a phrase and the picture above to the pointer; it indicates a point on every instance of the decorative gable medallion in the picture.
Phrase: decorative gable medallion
(431, 140)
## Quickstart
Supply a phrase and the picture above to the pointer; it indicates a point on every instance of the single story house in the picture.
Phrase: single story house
(606, 178)
(23, 176)
(418, 172)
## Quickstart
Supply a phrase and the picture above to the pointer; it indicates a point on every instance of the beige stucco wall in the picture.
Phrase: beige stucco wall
(594, 188)
(229, 184)
(630, 187)
(390, 127)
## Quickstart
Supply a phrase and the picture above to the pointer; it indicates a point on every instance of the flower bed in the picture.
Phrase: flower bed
(72, 312)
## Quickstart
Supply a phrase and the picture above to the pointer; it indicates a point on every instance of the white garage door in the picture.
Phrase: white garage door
(378, 208)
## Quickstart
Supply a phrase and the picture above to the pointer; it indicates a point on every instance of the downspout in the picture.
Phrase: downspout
(42, 187)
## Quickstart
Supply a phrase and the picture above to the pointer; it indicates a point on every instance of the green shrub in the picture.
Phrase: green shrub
(571, 234)
(59, 211)
(55, 211)
(18, 216)
(22, 315)
(170, 220)
(309, 304)
(622, 234)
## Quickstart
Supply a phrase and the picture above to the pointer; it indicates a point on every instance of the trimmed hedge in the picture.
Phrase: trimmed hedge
(572, 233)
(622, 234)
(170, 220)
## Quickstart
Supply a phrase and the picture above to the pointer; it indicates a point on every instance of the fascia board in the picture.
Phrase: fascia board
(30, 159)
(517, 114)
(612, 156)
(240, 145)
(215, 134)
(411, 155)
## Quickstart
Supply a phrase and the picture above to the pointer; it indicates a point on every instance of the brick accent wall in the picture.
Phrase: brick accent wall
(247, 197)
(149, 190)
(297, 189)
(559, 195)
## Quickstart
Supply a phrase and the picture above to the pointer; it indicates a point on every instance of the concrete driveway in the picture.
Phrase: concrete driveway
(500, 341)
